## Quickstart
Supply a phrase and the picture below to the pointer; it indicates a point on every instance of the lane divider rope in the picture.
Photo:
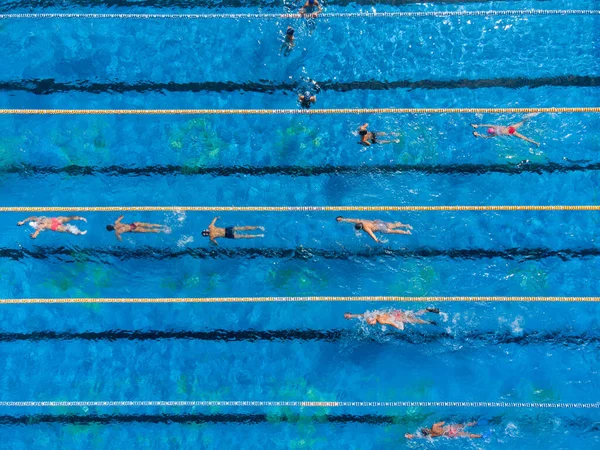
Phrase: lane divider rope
(298, 208)
(309, 112)
(312, 404)
(371, 15)
(298, 299)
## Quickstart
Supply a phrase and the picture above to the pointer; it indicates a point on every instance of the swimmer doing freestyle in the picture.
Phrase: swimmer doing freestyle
(377, 226)
(439, 429)
(396, 318)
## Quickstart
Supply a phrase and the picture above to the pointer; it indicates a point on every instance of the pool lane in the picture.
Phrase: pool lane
(528, 429)
(144, 146)
(261, 370)
(137, 51)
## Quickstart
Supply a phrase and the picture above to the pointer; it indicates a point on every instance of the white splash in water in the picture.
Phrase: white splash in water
(515, 325)
(185, 239)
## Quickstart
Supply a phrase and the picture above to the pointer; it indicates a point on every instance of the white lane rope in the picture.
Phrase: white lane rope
(274, 16)
(310, 404)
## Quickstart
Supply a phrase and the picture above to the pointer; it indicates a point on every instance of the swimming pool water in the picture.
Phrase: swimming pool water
(491, 352)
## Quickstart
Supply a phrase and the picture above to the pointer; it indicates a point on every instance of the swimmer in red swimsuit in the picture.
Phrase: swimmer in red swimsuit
(396, 318)
(498, 130)
(441, 430)
(58, 224)
(135, 227)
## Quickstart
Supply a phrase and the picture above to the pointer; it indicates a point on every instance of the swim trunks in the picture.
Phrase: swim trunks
(229, 234)
(55, 224)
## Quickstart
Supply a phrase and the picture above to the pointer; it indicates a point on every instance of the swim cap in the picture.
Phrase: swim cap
(109, 228)
(205, 233)
(491, 130)
(33, 225)
(358, 226)
(311, 2)
(290, 31)
(307, 95)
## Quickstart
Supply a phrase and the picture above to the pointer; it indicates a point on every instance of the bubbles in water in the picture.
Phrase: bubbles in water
(185, 239)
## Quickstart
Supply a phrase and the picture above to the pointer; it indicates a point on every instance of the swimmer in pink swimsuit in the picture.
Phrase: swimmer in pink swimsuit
(498, 130)
(395, 318)
(135, 227)
(58, 224)
(439, 429)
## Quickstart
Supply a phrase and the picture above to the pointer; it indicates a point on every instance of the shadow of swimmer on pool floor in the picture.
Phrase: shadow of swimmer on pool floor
(396, 318)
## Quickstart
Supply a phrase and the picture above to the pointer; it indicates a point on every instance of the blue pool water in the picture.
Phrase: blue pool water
(479, 352)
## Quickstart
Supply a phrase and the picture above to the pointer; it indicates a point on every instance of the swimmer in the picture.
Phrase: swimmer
(377, 226)
(230, 232)
(311, 4)
(135, 227)
(497, 130)
(366, 136)
(396, 318)
(289, 36)
(288, 43)
(306, 100)
(58, 224)
(441, 430)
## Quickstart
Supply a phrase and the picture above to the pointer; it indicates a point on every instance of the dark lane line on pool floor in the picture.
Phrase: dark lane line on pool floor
(216, 3)
(94, 254)
(308, 335)
(51, 86)
(31, 170)
(274, 418)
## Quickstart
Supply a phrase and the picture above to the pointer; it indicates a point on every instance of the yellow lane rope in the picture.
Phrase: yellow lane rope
(299, 299)
(298, 208)
(307, 404)
(295, 111)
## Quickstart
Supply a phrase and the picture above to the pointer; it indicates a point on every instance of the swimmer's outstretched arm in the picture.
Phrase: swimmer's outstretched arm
(118, 221)
(476, 125)
(213, 222)
(343, 219)
(29, 219)
(476, 134)
(36, 233)
(370, 233)
(353, 316)
(520, 136)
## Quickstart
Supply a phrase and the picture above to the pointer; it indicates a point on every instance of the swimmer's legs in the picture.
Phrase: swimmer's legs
(394, 231)
(520, 136)
(63, 219)
(248, 228)
(72, 229)
(400, 225)
(148, 225)
(248, 236)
